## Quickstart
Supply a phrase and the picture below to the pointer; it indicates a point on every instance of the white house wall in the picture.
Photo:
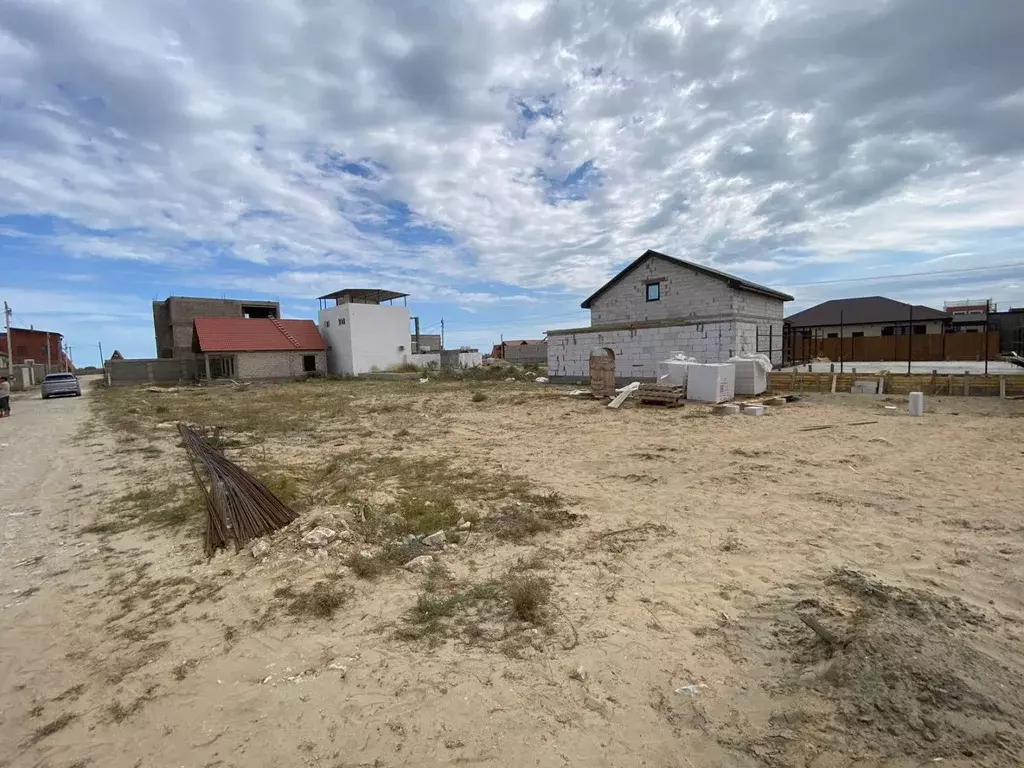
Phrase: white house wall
(365, 337)
(638, 351)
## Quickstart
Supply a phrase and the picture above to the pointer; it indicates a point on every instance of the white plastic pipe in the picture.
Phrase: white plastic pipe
(917, 403)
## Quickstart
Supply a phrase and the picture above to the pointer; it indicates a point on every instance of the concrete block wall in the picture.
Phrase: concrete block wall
(756, 305)
(638, 351)
(275, 365)
(753, 337)
(684, 293)
(141, 371)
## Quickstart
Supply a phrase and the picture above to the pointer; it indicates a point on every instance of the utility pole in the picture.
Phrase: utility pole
(100, 345)
(442, 333)
(48, 357)
(10, 343)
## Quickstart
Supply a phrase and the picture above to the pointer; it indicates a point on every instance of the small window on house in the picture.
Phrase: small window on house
(309, 363)
(888, 330)
(833, 335)
(920, 330)
(654, 291)
(857, 335)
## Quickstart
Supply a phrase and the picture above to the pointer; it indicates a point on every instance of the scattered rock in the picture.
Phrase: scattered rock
(435, 539)
(464, 525)
(261, 548)
(319, 537)
(341, 669)
(579, 674)
(419, 564)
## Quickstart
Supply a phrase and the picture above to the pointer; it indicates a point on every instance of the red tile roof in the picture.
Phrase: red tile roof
(244, 334)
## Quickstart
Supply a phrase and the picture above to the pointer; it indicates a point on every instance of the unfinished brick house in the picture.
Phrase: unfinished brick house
(172, 319)
(660, 304)
(257, 348)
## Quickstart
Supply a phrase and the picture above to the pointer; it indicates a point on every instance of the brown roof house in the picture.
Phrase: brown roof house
(866, 316)
(258, 348)
(660, 304)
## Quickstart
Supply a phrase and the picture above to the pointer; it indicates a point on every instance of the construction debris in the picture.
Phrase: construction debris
(239, 507)
(623, 393)
(667, 396)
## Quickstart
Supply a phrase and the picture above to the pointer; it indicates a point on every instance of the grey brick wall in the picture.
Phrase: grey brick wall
(684, 293)
(274, 365)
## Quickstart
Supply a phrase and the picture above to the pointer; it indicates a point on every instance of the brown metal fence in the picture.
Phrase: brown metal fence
(802, 347)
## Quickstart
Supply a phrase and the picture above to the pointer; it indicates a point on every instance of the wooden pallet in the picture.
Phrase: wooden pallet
(663, 396)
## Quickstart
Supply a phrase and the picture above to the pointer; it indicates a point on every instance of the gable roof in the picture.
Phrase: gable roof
(865, 309)
(244, 334)
(734, 282)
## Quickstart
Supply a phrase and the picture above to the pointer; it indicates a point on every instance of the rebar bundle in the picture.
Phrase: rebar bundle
(239, 507)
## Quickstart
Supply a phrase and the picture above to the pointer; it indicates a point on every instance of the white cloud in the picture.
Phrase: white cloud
(764, 137)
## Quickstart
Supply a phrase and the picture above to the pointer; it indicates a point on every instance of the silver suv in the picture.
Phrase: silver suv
(61, 384)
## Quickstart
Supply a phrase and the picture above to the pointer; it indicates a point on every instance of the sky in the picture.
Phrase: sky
(499, 161)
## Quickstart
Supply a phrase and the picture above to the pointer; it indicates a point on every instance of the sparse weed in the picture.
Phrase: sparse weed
(320, 601)
(50, 728)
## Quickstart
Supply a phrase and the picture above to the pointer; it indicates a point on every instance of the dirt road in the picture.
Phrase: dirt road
(39, 467)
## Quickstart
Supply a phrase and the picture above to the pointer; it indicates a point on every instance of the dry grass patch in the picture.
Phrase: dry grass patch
(57, 724)
(495, 611)
(526, 518)
(321, 601)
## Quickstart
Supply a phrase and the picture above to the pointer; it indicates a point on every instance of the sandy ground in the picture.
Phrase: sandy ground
(702, 540)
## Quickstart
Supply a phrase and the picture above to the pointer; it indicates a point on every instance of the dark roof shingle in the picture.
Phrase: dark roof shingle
(863, 310)
(244, 334)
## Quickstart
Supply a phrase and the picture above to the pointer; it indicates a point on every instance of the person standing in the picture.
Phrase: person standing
(5, 397)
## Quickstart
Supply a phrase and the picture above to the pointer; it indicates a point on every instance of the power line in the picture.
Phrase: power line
(908, 274)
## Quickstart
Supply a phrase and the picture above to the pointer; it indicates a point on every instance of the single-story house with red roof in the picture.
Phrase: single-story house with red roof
(244, 348)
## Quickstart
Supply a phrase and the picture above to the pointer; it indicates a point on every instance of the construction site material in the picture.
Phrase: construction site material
(711, 382)
(725, 409)
(776, 401)
(752, 369)
(934, 383)
(753, 410)
(833, 426)
(239, 507)
(865, 387)
(672, 372)
(658, 394)
(916, 403)
(623, 393)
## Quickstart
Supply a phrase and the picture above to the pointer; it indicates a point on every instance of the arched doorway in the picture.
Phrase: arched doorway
(602, 372)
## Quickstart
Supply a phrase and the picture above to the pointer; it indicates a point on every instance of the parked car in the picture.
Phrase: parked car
(61, 384)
